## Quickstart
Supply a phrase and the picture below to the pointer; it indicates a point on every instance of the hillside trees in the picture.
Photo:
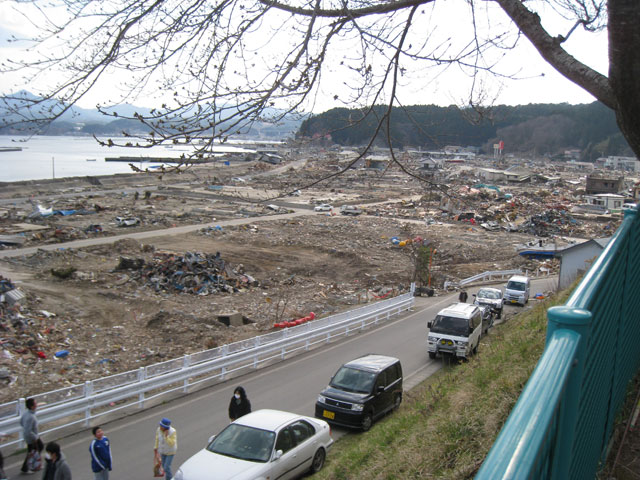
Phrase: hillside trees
(228, 62)
(528, 129)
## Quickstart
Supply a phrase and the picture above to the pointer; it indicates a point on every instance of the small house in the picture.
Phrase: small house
(576, 259)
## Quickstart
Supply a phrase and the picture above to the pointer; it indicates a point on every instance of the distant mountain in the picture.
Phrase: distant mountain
(17, 109)
(23, 105)
(539, 129)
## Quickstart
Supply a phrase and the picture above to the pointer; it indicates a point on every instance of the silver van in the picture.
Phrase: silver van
(456, 331)
(517, 290)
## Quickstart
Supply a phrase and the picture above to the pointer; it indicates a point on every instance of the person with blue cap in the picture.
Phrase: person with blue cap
(166, 446)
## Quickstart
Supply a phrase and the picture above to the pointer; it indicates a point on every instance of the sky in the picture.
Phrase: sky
(537, 82)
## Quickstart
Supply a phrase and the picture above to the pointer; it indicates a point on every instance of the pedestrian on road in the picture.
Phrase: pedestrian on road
(166, 446)
(29, 423)
(57, 467)
(463, 296)
(100, 450)
(239, 404)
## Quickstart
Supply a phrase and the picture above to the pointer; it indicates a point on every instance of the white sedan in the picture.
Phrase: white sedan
(325, 207)
(266, 444)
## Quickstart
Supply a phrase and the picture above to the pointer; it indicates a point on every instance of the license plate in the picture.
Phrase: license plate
(514, 301)
(328, 414)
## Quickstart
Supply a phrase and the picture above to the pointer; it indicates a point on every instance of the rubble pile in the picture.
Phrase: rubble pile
(28, 337)
(193, 273)
(551, 222)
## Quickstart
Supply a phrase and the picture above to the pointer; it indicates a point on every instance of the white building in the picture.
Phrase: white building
(608, 201)
(629, 164)
(491, 174)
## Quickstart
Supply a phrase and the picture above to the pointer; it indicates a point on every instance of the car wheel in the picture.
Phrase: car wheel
(367, 421)
(318, 461)
(499, 314)
(397, 401)
(432, 355)
(475, 349)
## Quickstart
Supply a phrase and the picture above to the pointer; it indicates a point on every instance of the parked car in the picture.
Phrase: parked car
(350, 210)
(517, 290)
(127, 221)
(261, 444)
(361, 391)
(487, 318)
(324, 207)
(491, 297)
(455, 331)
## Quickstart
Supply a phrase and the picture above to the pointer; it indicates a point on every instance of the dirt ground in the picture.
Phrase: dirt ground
(119, 306)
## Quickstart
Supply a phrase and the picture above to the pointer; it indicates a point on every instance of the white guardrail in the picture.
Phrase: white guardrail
(78, 405)
(490, 276)
(484, 277)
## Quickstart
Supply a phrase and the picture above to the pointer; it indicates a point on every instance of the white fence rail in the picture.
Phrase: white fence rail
(483, 277)
(493, 275)
(77, 405)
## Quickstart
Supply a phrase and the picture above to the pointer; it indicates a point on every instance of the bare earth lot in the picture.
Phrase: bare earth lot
(119, 306)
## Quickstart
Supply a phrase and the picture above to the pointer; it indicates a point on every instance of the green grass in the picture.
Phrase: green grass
(446, 426)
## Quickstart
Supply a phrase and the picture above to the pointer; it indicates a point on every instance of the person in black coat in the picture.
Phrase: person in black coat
(239, 404)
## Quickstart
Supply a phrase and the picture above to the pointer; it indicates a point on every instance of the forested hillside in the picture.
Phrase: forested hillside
(537, 129)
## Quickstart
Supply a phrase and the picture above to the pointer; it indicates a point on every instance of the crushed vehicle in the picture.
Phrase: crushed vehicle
(350, 210)
(127, 221)
(492, 298)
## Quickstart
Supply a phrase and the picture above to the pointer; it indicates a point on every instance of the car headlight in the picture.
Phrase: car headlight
(432, 339)
(357, 407)
(178, 475)
(462, 344)
(322, 399)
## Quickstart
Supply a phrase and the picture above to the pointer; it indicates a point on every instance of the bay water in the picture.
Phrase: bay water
(46, 157)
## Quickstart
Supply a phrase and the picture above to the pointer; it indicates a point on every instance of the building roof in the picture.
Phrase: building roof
(600, 242)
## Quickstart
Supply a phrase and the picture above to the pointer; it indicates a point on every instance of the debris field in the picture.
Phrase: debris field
(259, 252)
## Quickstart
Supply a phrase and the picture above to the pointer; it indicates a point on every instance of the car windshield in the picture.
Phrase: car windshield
(353, 380)
(490, 294)
(245, 443)
(519, 286)
(450, 326)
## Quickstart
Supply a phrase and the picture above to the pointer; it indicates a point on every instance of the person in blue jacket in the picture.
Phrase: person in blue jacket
(100, 450)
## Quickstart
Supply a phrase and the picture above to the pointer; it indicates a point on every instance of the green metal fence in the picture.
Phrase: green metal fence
(561, 425)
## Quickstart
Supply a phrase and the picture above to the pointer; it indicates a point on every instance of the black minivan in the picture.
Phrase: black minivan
(361, 391)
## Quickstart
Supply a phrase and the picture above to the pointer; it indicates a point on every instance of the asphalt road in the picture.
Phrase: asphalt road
(292, 385)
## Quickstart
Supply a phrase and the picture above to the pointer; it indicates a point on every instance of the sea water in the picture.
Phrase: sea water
(45, 157)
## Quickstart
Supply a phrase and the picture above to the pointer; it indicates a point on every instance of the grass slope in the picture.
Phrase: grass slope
(446, 426)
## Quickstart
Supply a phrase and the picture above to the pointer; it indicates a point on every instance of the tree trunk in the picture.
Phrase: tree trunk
(624, 67)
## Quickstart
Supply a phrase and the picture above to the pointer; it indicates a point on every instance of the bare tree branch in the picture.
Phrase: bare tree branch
(218, 66)
(551, 50)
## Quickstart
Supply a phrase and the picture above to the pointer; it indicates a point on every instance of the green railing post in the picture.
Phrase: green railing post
(579, 321)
